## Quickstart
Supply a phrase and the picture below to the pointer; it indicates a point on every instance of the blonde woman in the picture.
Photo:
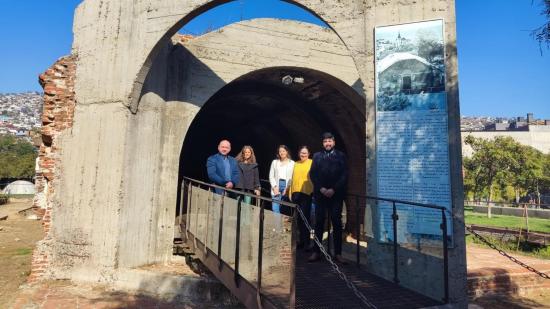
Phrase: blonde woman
(280, 176)
(249, 180)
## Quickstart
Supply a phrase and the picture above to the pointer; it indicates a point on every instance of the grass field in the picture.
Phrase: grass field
(535, 224)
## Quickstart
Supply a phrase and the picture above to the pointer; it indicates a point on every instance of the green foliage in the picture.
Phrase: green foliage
(23, 251)
(3, 199)
(17, 158)
(503, 169)
(542, 33)
(535, 224)
(524, 248)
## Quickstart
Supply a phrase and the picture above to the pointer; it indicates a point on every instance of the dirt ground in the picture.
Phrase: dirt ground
(535, 300)
(18, 236)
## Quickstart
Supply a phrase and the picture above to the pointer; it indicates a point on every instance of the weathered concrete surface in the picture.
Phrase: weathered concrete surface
(206, 64)
(116, 198)
(117, 40)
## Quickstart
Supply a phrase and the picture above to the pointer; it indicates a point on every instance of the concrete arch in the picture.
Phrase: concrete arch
(186, 75)
(137, 87)
(150, 26)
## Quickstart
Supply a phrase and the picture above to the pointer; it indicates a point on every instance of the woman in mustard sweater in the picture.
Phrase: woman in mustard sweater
(300, 192)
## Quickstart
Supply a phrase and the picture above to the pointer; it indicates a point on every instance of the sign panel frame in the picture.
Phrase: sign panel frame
(412, 131)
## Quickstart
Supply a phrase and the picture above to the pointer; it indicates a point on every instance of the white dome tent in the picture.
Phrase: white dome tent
(20, 187)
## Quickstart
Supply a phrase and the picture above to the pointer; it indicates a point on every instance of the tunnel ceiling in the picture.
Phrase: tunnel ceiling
(259, 110)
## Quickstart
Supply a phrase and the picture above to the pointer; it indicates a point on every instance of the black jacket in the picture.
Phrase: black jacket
(329, 170)
(249, 176)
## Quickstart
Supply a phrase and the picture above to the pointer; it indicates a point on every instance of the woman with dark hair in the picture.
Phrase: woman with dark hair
(249, 180)
(300, 192)
(280, 176)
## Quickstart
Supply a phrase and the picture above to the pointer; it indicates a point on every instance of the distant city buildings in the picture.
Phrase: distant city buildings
(528, 123)
(525, 130)
(20, 113)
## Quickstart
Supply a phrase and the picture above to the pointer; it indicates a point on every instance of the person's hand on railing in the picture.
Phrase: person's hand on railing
(275, 190)
(257, 192)
(229, 185)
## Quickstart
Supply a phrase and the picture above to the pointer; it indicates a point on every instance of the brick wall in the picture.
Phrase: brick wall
(57, 116)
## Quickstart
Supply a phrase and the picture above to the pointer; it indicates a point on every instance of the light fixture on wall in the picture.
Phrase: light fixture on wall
(287, 80)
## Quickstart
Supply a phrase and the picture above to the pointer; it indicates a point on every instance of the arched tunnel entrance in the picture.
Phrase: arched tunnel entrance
(261, 110)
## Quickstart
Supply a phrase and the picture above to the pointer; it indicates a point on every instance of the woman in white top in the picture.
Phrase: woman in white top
(280, 176)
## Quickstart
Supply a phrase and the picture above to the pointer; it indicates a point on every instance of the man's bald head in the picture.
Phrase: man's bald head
(224, 147)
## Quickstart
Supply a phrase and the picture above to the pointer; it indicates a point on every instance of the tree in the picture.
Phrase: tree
(505, 164)
(429, 49)
(526, 170)
(488, 164)
(17, 158)
(542, 33)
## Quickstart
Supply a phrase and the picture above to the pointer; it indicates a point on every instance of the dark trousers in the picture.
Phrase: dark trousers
(304, 202)
(334, 207)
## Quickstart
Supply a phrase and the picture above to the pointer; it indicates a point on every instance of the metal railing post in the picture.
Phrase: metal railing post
(209, 200)
(196, 224)
(358, 230)
(260, 254)
(329, 218)
(294, 239)
(220, 230)
(183, 198)
(238, 240)
(395, 217)
(188, 216)
(445, 256)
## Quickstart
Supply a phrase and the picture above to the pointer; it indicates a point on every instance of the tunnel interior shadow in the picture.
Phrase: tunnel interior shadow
(259, 110)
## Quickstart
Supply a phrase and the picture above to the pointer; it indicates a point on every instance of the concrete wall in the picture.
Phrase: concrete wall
(129, 221)
(416, 269)
(538, 139)
(116, 196)
(195, 71)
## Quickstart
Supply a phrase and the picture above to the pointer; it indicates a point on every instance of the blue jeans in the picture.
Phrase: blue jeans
(275, 207)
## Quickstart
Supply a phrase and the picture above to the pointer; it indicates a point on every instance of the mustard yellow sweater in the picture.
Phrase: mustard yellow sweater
(300, 178)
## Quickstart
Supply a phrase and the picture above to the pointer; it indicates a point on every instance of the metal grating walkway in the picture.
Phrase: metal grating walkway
(317, 286)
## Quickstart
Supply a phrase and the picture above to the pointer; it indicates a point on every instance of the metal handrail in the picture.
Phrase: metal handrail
(395, 218)
(357, 197)
(260, 203)
(242, 193)
(432, 206)
(384, 199)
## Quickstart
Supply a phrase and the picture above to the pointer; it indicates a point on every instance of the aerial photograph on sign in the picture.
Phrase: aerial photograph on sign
(410, 67)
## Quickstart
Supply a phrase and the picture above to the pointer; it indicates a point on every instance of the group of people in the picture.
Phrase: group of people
(323, 178)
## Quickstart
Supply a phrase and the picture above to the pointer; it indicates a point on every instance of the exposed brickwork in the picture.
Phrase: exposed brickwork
(491, 273)
(57, 116)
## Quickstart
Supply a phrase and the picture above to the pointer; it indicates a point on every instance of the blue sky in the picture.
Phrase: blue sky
(501, 69)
